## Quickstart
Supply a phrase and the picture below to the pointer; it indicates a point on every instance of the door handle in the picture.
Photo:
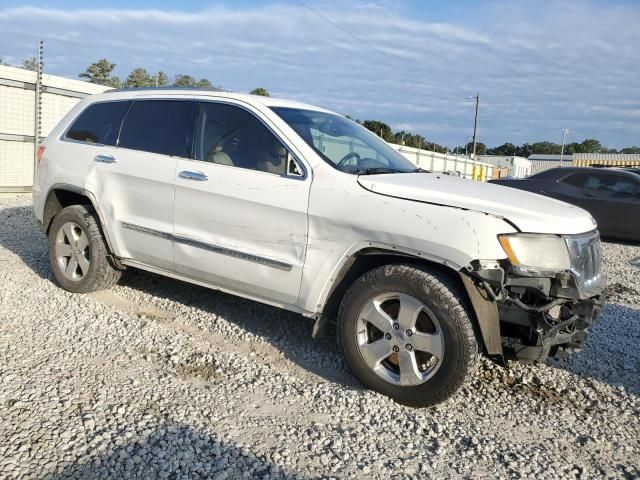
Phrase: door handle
(197, 176)
(589, 195)
(104, 159)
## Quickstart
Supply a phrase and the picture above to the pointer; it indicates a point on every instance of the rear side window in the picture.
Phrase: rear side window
(614, 184)
(99, 123)
(160, 126)
(576, 179)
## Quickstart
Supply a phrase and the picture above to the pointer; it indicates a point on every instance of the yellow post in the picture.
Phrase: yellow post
(474, 172)
(483, 173)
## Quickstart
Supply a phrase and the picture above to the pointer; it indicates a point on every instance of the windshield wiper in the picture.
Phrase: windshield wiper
(375, 170)
(420, 170)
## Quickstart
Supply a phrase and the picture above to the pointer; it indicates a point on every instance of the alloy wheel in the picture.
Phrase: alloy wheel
(72, 251)
(400, 339)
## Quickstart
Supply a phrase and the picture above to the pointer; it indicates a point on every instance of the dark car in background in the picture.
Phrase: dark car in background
(611, 195)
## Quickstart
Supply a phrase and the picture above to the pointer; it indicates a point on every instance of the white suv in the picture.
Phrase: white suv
(298, 207)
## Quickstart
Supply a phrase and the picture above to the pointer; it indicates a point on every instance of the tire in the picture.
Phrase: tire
(446, 352)
(93, 267)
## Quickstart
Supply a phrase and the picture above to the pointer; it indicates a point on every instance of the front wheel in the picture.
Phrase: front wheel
(405, 332)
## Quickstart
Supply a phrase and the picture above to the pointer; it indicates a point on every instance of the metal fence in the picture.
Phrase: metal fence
(460, 165)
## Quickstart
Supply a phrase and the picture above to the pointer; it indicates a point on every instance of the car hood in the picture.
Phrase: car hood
(529, 212)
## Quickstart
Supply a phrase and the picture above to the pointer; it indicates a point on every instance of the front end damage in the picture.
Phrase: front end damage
(530, 315)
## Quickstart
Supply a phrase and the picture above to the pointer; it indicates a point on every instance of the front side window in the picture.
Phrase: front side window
(160, 126)
(99, 123)
(343, 143)
(229, 135)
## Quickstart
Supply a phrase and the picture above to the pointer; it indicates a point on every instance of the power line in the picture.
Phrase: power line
(344, 30)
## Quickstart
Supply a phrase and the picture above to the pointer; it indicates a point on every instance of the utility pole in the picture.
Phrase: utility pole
(37, 124)
(475, 123)
(565, 131)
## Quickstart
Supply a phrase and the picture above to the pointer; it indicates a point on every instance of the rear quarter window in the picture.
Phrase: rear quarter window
(99, 123)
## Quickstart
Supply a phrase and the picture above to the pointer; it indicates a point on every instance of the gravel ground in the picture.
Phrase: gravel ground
(161, 379)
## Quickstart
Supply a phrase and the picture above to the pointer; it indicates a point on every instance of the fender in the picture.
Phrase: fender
(369, 247)
(51, 208)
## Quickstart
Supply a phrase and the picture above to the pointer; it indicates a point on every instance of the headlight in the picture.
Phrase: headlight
(536, 254)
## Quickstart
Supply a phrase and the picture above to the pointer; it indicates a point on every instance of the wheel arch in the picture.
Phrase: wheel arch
(62, 195)
(484, 311)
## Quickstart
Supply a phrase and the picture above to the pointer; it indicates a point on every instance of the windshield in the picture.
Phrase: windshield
(343, 143)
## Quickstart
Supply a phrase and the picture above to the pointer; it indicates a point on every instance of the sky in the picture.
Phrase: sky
(538, 65)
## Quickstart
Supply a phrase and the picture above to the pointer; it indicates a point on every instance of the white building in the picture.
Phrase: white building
(542, 162)
(518, 167)
(17, 119)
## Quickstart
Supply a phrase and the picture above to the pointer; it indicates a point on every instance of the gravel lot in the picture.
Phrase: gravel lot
(161, 379)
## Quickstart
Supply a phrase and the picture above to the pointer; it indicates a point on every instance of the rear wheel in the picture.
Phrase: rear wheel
(78, 253)
(405, 332)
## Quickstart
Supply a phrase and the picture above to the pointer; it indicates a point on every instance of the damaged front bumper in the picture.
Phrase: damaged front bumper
(532, 336)
(532, 316)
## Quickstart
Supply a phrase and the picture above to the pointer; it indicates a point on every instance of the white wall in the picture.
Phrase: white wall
(17, 118)
(440, 162)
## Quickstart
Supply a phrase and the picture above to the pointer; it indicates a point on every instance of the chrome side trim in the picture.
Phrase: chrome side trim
(148, 231)
(268, 262)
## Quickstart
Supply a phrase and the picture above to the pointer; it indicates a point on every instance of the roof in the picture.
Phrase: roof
(550, 158)
(204, 92)
(618, 157)
(14, 74)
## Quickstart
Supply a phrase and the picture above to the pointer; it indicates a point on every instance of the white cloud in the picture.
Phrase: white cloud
(538, 66)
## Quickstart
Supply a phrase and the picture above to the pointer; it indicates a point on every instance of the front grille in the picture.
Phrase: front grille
(585, 253)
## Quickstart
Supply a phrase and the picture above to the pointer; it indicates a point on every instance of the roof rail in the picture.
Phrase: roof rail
(137, 89)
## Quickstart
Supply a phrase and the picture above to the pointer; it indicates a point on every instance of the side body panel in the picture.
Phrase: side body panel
(135, 194)
(616, 213)
(62, 163)
(345, 218)
(242, 229)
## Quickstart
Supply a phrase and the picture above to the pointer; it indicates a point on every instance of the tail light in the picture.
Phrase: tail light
(39, 153)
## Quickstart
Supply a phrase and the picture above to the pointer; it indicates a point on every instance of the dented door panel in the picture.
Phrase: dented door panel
(241, 228)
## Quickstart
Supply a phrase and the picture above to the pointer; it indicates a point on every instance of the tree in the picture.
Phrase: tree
(379, 128)
(260, 91)
(628, 150)
(545, 148)
(30, 63)
(161, 79)
(100, 73)
(181, 80)
(506, 149)
(481, 148)
(2, 62)
(590, 145)
(139, 77)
